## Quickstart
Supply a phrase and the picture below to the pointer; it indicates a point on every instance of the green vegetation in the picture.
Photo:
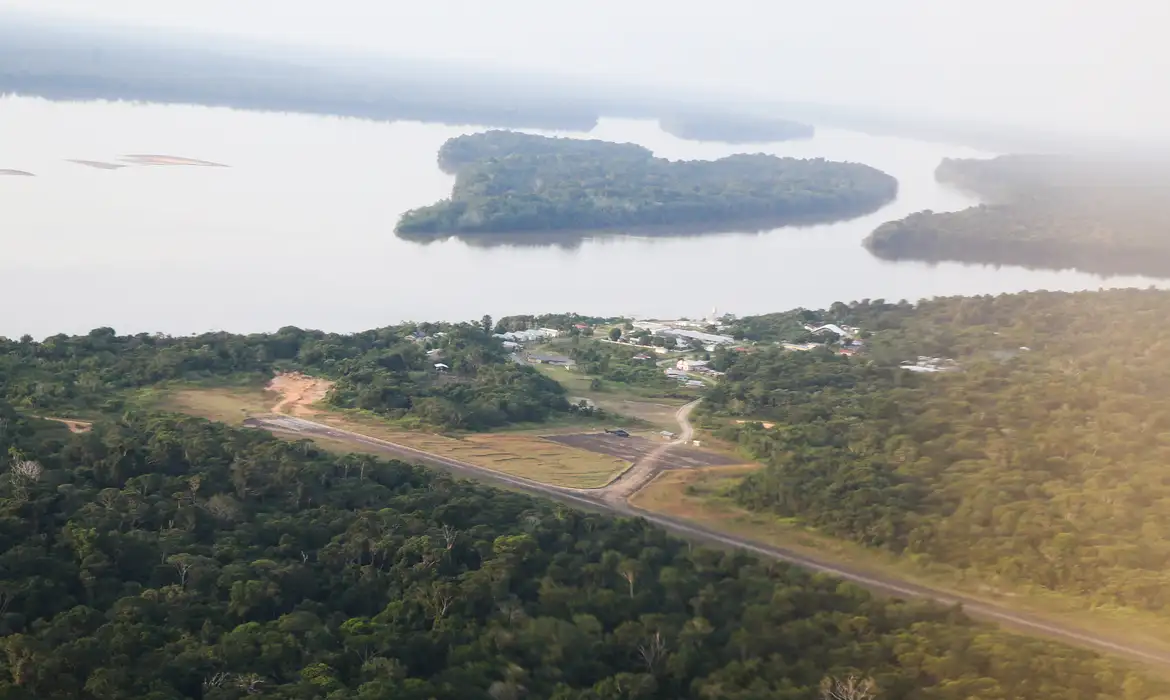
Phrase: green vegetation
(734, 128)
(612, 362)
(1039, 464)
(1044, 211)
(511, 182)
(164, 558)
(387, 371)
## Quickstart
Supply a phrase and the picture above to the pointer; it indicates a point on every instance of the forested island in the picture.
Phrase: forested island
(1108, 217)
(733, 128)
(508, 182)
(1037, 461)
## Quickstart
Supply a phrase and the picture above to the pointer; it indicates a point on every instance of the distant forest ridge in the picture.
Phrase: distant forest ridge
(728, 128)
(73, 62)
(1097, 215)
(89, 64)
(507, 182)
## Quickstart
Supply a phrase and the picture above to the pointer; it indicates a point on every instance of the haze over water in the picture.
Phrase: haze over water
(299, 231)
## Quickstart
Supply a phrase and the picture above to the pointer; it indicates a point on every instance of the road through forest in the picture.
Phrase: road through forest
(615, 498)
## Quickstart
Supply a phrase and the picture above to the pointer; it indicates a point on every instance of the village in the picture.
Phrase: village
(682, 348)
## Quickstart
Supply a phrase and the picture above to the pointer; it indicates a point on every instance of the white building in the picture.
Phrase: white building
(705, 338)
(532, 335)
(843, 331)
(691, 365)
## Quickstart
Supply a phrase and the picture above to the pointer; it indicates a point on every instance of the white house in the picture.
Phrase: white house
(844, 332)
(691, 365)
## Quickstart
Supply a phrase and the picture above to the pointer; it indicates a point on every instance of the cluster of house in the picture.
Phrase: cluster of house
(843, 331)
(545, 359)
(514, 340)
(420, 337)
(850, 344)
(683, 336)
(683, 369)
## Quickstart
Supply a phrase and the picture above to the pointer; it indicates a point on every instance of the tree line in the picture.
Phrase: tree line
(163, 557)
(1039, 463)
(390, 371)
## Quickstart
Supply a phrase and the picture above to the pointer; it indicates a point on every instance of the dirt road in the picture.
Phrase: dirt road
(614, 499)
(645, 469)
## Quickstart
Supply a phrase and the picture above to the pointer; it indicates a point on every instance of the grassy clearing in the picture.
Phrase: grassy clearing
(639, 406)
(699, 495)
(518, 454)
(224, 404)
(526, 456)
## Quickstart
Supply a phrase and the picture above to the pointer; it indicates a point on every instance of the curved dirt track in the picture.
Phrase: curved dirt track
(614, 498)
(644, 470)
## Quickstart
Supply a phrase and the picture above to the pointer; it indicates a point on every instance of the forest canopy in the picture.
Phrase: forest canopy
(162, 558)
(390, 371)
(1039, 463)
(1109, 217)
(512, 182)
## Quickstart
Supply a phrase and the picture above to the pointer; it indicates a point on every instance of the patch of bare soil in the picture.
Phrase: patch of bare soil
(298, 393)
(75, 426)
(767, 425)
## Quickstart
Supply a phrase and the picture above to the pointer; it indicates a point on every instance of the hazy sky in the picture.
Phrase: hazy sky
(1080, 64)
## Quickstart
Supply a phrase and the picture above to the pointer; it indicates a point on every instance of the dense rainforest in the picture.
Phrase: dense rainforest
(733, 128)
(390, 371)
(1040, 462)
(159, 558)
(1108, 217)
(512, 182)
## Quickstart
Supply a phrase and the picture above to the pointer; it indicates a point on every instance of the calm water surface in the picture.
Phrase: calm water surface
(299, 231)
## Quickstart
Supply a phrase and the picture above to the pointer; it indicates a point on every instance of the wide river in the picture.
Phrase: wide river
(299, 231)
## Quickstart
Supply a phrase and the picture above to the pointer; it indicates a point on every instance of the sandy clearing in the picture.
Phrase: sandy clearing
(97, 164)
(75, 426)
(156, 159)
(298, 392)
(767, 426)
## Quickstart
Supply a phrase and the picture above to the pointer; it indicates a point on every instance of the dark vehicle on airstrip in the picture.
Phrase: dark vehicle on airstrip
(618, 431)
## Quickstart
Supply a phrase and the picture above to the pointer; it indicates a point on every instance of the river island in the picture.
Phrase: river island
(1044, 211)
(509, 182)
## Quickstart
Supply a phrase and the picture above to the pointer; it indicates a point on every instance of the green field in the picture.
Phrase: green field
(523, 453)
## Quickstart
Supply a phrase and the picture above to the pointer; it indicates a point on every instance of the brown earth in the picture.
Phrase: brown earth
(75, 426)
(298, 393)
